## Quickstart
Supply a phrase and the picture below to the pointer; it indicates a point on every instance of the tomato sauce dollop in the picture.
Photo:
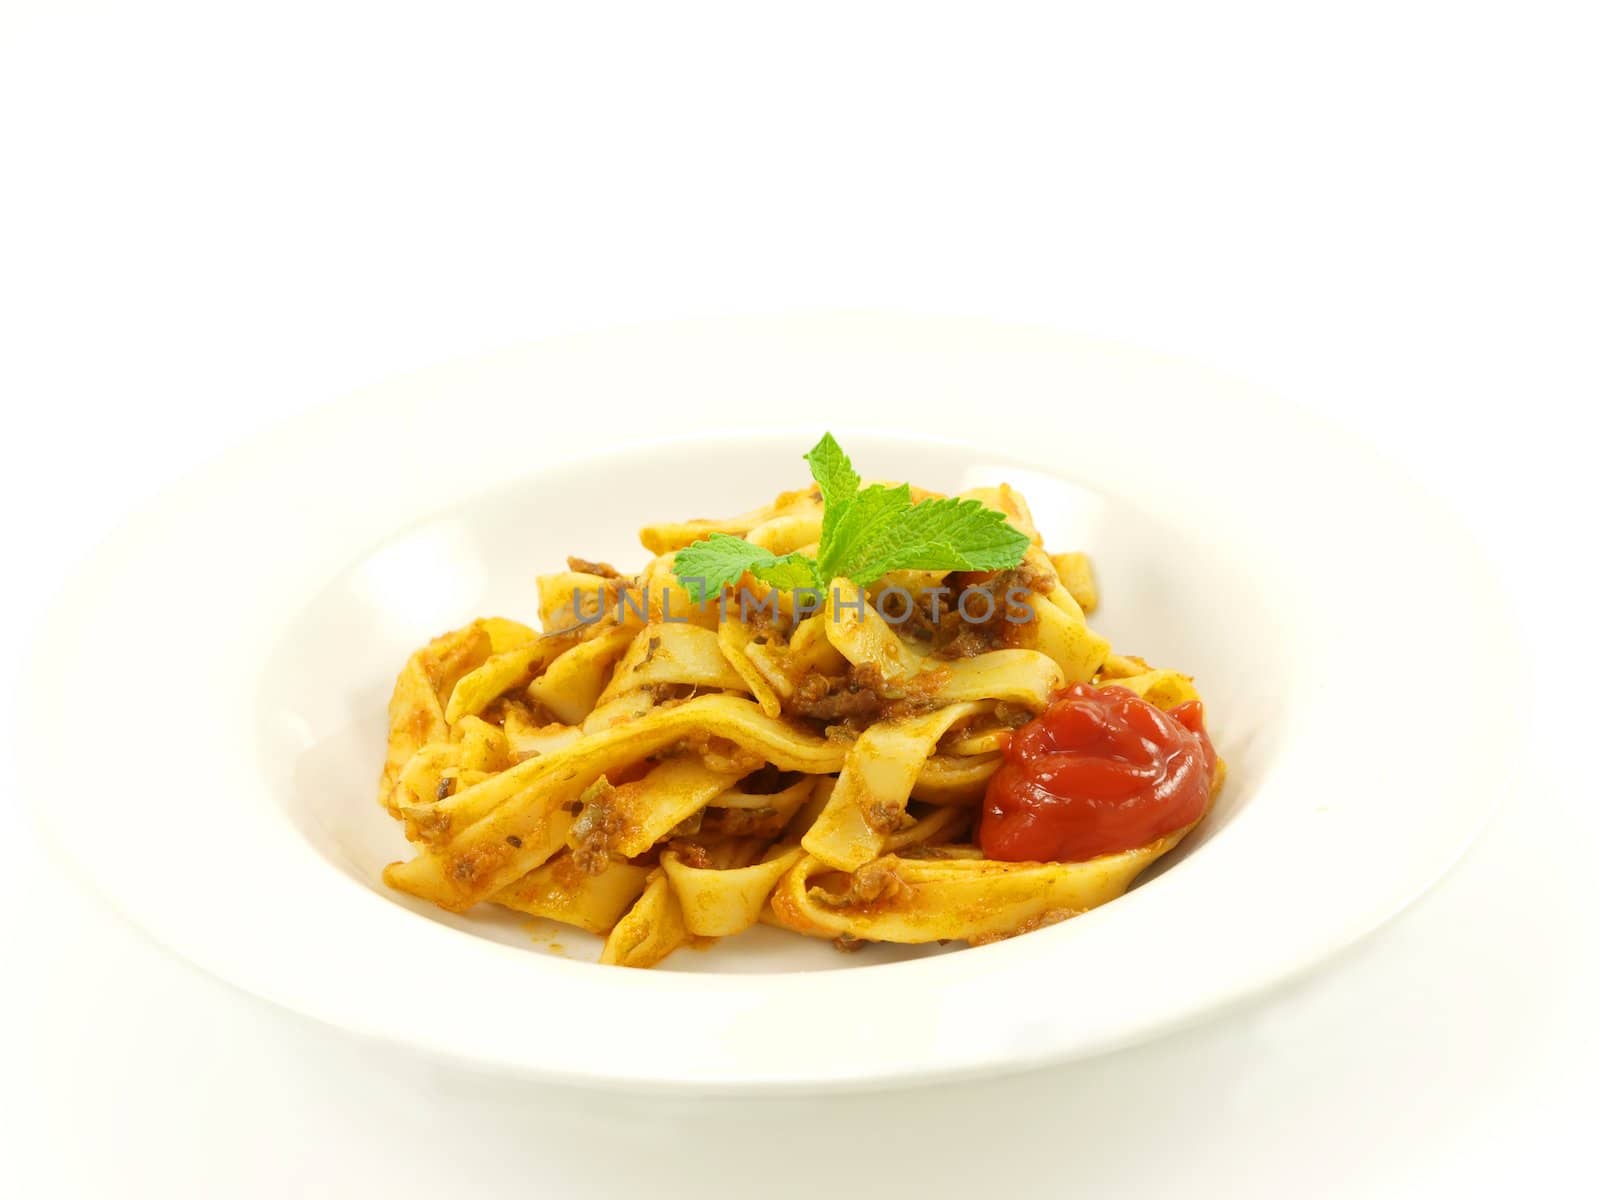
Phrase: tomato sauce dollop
(1098, 772)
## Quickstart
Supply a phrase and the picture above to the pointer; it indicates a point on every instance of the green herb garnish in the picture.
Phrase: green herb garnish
(866, 533)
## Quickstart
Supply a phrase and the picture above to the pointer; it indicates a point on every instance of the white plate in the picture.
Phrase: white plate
(209, 696)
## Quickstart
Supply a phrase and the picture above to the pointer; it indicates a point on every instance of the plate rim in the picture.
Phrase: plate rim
(850, 328)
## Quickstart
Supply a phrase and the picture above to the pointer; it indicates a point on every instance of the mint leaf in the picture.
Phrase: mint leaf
(838, 482)
(790, 571)
(935, 535)
(865, 521)
(866, 533)
(707, 566)
(830, 467)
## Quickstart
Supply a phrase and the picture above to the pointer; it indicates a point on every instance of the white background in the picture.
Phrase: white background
(212, 216)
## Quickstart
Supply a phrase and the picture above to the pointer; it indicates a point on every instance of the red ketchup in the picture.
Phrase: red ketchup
(1098, 772)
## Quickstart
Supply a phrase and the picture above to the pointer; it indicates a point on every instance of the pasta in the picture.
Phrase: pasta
(661, 768)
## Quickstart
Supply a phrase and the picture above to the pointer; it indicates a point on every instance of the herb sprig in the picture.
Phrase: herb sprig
(866, 534)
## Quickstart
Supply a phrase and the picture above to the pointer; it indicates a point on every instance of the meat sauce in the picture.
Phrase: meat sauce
(1098, 772)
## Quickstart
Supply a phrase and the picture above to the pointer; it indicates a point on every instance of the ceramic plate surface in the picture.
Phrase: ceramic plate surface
(252, 623)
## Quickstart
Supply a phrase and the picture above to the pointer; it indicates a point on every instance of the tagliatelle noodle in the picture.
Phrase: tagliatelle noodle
(660, 773)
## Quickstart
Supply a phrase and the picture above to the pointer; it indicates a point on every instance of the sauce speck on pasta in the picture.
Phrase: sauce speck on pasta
(1098, 772)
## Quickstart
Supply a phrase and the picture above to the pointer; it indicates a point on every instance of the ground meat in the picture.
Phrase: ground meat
(768, 622)
(875, 881)
(884, 818)
(691, 854)
(1012, 716)
(970, 642)
(851, 702)
(860, 692)
(720, 754)
(597, 828)
(1030, 575)
(690, 825)
(955, 637)
(584, 567)
(922, 695)
(1026, 574)
(919, 622)
(744, 822)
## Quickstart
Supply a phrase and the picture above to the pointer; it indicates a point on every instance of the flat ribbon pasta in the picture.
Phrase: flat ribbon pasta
(895, 899)
(416, 709)
(479, 834)
(874, 784)
(648, 810)
(1057, 630)
(561, 891)
(662, 773)
(501, 672)
(1164, 689)
(948, 779)
(572, 682)
(675, 535)
(717, 903)
(673, 655)
(652, 929)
